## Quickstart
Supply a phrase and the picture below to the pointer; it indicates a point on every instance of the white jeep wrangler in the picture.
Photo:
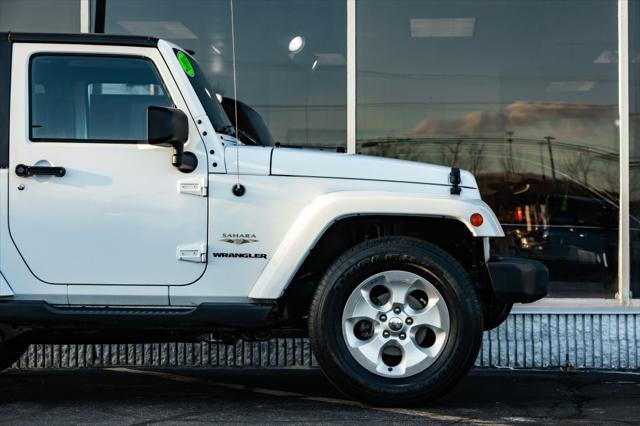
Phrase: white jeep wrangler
(133, 209)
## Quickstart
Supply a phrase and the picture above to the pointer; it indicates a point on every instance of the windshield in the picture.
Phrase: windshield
(207, 96)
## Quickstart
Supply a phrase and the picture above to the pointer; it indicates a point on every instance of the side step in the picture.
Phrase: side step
(224, 315)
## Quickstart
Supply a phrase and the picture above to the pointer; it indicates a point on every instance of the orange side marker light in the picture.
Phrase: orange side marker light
(476, 219)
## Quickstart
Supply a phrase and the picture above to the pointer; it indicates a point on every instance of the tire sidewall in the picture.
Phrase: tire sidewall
(11, 351)
(421, 259)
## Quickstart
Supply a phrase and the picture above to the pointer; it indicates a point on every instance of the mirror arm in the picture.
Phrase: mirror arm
(186, 162)
(178, 154)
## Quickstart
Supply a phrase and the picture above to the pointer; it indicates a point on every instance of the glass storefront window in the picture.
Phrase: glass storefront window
(291, 56)
(57, 16)
(522, 93)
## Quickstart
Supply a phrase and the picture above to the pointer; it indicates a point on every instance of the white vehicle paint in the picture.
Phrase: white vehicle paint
(298, 210)
(112, 196)
(103, 205)
(187, 230)
(296, 162)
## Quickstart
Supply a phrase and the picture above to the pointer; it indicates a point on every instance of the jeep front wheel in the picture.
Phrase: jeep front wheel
(395, 321)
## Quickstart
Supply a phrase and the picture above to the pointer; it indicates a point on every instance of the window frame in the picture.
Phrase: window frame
(88, 55)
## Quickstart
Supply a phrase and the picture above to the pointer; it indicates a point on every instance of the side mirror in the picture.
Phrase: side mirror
(170, 127)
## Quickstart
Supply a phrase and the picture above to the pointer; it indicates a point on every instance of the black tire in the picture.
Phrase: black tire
(395, 253)
(495, 314)
(11, 351)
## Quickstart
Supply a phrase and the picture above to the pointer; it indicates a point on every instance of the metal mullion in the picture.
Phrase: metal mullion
(351, 76)
(85, 16)
(624, 295)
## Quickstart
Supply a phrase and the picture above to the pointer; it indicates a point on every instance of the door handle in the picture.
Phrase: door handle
(26, 171)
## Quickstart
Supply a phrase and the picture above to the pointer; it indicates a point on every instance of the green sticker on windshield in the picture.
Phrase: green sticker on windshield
(186, 64)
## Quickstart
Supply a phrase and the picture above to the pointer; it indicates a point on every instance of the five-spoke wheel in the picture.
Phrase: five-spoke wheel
(395, 323)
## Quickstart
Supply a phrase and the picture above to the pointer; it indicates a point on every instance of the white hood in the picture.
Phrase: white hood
(311, 163)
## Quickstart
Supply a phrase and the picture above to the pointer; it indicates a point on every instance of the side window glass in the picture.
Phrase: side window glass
(77, 98)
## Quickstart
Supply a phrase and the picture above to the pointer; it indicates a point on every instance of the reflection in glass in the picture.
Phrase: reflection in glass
(521, 93)
(55, 16)
(92, 98)
(291, 64)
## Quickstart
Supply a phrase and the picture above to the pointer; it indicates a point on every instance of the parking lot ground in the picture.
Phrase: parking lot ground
(174, 396)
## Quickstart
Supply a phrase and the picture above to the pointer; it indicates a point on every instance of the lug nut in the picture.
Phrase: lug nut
(409, 321)
(403, 336)
(397, 310)
(386, 333)
(383, 317)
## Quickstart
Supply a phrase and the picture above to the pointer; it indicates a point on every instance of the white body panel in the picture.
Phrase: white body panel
(118, 295)
(107, 233)
(5, 289)
(254, 160)
(324, 210)
(117, 216)
(24, 284)
(296, 162)
(289, 214)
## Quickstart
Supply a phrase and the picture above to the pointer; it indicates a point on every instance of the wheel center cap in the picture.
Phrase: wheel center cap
(395, 324)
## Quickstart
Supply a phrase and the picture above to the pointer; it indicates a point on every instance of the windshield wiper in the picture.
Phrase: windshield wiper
(227, 130)
(230, 130)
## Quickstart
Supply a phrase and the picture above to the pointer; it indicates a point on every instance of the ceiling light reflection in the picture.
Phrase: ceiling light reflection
(296, 44)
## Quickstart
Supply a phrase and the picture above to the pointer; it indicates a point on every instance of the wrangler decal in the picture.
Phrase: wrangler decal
(242, 255)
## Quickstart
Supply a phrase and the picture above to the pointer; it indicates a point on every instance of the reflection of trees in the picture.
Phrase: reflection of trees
(451, 152)
(593, 169)
(466, 155)
(580, 165)
(511, 165)
(476, 158)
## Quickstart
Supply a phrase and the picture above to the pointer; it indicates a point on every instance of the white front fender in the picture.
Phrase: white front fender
(318, 216)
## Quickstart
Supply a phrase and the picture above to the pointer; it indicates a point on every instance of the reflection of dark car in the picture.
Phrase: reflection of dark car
(575, 236)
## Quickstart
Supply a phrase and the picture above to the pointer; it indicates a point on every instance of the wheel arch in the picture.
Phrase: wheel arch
(449, 234)
(319, 219)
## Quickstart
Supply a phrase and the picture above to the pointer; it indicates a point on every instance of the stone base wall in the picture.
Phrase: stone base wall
(597, 341)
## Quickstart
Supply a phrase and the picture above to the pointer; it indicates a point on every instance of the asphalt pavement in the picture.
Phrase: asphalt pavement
(130, 396)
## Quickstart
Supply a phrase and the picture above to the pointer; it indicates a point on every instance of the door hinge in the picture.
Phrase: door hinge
(193, 187)
(192, 253)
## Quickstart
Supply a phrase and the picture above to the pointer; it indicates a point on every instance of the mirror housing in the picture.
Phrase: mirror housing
(169, 127)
